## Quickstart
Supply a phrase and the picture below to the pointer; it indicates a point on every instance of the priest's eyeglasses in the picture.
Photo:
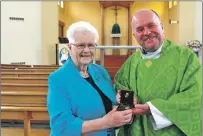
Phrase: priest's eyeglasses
(83, 45)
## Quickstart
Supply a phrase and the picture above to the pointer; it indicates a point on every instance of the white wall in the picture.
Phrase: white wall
(198, 20)
(21, 40)
(198, 25)
(186, 21)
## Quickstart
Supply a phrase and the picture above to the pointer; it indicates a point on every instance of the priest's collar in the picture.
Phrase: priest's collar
(152, 55)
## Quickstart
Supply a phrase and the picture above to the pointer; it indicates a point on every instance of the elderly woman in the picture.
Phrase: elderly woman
(80, 94)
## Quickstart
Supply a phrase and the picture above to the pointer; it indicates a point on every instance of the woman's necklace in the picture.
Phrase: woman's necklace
(84, 73)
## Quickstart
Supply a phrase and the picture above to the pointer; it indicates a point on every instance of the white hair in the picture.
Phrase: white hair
(81, 26)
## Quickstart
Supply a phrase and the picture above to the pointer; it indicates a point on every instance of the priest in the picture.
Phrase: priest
(166, 80)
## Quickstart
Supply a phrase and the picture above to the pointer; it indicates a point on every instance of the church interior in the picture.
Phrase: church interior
(33, 42)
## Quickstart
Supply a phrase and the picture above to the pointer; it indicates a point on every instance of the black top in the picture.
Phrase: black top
(106, 101)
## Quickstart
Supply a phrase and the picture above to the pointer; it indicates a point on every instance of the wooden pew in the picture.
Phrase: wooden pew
(25, 74)
(24, 87)
(13, 66)
(23, 65)
(20, 132)
(23, 98)
(25, 114)
(37, 68)
(24, 80)
(20, 98)
(57, 66)
(24, 93)
(27, 70)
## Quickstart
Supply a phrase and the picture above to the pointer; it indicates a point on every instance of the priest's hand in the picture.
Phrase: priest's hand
(141, 109)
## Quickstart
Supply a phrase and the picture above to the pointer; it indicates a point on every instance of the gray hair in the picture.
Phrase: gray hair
(81, 26)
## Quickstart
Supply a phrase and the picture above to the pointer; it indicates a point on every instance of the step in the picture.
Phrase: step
(20, 132)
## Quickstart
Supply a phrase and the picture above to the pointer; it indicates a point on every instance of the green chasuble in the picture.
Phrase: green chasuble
(172, 83)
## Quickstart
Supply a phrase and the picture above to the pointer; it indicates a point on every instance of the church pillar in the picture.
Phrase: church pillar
(102, 36)
(49, 31)
(102, 24)
(129, 26)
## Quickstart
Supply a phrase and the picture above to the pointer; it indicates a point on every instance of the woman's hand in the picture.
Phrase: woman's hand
(117, 118)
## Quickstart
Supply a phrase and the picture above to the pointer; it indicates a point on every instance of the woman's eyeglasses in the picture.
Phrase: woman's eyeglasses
(83, 45)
